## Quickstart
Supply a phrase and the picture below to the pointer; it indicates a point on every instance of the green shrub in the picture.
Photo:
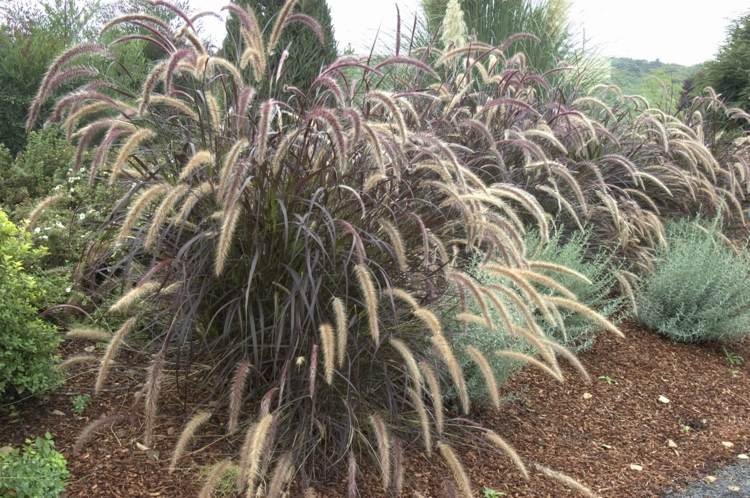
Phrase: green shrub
(699, 290)
(41, 165)
(39, 471)
(599, 267)
(27, 343)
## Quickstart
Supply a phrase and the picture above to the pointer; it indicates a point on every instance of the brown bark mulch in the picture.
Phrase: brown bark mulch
(596, 439)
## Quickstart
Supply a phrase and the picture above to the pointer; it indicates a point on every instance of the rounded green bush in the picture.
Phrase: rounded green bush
(27, 343)
(699, 290)
(38, 471)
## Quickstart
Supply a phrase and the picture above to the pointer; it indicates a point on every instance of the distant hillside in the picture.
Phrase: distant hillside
(660, 83)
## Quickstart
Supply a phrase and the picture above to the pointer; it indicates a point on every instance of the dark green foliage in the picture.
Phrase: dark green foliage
(30, 38)
(700, 288)
(660, 83)
(729, 73)
(27, 343)
(306, 54)
(39, 471)
(599, 267)
(42, 164)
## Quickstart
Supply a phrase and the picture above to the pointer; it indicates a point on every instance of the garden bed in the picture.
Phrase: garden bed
(595, 439)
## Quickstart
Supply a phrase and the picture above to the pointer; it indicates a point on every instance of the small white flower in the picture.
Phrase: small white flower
(68, 289)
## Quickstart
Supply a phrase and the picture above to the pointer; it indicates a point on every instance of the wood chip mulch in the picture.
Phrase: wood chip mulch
(621, 441)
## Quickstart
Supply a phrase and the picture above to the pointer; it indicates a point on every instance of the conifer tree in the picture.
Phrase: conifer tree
(306, 53)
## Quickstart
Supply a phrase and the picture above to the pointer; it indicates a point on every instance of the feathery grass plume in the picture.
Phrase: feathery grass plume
(127, 150)
(435, 393)
(403, 296)
(228, 226)
(528, 290)
(256, 452)
(139, 206)
(572, 359)
(468, 283)
(545, 265)
(499, 442)
(342, 329)
(264, 128)
(133, 296)
(162, 213)
(176, 104)
(230, 160)
(53, 71)
(200, 158)
(40, 208)
(566, 480)
(550, 283)
(191, 199)
(515, 355)
(235, 395)
(281, 475)
(214, 478)
(351, 477)
(77, 359)
(454, 369)
(424, 419)
(367, 288)
(247, 443)
(397, 481)
(397, 242)
(213, 111)
(109, 354)
(459, 475)
(187, 434)
(91, 429)
(585, 311)
(278, 26)
(411, 363)
(487, 374)
(329, 351)
(383, 439)
(428, 318)
(151, 400)
(88, 334)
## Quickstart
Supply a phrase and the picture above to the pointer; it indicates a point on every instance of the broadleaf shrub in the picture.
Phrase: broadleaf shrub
(699, 290)
(37, 471)
(28, 344)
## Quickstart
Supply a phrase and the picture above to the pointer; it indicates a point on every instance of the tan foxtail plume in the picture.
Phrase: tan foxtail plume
(109, 354)
(367, 288)
(133, 296)
(487, 374)
(187, 434)
(384, 449)
(508, 450)
(40, 208)
(236, 392)
(89, 334)
(342, 329)
(435, 393)
(329, 351)
(459, 474)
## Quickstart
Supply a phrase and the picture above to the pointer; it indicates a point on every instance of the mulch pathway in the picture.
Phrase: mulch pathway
(601, 440)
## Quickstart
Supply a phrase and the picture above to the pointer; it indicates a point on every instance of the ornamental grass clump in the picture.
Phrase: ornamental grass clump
(281, 255)
(700, 288)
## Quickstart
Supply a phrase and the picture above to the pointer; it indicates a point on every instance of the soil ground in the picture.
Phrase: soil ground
(615, 435)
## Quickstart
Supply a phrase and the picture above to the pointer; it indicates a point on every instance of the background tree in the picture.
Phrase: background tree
(729, 73)
(306, 53)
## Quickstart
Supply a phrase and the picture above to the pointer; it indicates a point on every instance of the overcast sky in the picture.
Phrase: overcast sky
(680, 31)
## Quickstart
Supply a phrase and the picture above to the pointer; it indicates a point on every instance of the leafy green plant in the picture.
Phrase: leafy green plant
(37, 471)
(492, 493)
(80, 402)
(699, 290)
(28, 344)
(40, 166)
(607, 380)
